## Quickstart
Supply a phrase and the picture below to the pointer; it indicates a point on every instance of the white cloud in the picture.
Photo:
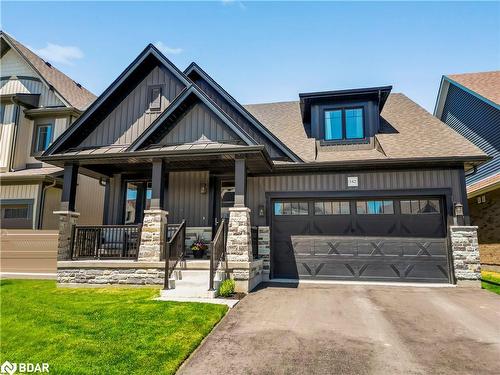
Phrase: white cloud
(166, 49)
(59, 54)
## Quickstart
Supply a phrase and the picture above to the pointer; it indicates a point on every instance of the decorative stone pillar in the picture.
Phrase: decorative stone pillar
(153, 235)
(465, 251)
(67, 219)
(239, 235)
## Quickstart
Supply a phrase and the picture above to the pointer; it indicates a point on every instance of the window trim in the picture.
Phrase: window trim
(344, 139)
(299, 202)
(34, 137)
(150, 98)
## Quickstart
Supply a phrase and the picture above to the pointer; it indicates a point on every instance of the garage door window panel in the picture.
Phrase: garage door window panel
(375, 207)
(291, 208)
(422, 206)
(331, 208)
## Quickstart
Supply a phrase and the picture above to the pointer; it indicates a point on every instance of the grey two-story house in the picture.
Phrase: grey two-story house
(356, 184)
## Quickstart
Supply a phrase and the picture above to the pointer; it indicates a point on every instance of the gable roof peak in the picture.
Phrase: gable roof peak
(71, 93)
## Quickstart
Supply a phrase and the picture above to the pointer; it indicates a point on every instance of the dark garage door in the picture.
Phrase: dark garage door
(387, 239)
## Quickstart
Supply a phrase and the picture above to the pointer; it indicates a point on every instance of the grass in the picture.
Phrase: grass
(99, 331)
(493, 277)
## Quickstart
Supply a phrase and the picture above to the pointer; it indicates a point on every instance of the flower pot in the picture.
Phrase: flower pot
(198, 254)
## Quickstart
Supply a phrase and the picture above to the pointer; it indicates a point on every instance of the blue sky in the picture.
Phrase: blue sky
(262, 52)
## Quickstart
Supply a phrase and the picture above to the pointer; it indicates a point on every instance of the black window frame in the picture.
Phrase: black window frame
(291, 203)
(34, 143)
(344, 139)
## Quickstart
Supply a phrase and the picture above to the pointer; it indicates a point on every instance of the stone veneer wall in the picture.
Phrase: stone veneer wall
(152, 235)
(129, 276)
(264, 247)
(66, 221)
(465, 251)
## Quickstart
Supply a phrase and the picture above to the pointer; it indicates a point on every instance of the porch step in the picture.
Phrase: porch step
(190, 284)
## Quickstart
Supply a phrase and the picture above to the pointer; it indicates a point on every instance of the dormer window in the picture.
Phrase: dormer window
(344, 124)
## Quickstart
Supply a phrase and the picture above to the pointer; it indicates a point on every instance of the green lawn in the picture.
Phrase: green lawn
(99, 331)
(493, 277)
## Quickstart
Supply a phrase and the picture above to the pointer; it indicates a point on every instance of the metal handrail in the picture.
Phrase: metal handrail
(105, 241)
(174, 252)
(218, 251)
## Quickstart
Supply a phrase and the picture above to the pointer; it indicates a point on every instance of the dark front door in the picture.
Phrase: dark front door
(394, 239)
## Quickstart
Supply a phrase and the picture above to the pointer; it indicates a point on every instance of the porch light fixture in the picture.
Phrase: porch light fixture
(261, 211)
(459, 209)
(203, 188)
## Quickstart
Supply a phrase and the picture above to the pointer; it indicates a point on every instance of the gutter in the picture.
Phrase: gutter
(54, 111)
(381, 162)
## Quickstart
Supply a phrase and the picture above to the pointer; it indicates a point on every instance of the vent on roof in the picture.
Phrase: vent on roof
(78, 85)
(48, 64)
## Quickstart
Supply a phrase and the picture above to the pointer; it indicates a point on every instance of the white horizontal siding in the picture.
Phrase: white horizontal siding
(6, 134)
(14, 65)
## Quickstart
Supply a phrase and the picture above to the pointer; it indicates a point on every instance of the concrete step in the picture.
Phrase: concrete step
(190, 284)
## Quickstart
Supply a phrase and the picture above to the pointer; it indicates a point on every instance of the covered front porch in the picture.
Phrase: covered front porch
(158, 202)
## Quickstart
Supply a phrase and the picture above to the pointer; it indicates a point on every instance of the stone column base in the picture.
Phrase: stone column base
(152, 235)
(465, 251)
(246, 275)
(239, 235)
(67, 219)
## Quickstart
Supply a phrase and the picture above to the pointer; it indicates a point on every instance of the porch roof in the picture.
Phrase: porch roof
(105, 161)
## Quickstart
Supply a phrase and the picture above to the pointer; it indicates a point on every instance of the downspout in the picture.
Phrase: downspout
(14, 138)
(42, 202)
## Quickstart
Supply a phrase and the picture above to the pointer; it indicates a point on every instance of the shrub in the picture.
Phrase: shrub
(226, 288)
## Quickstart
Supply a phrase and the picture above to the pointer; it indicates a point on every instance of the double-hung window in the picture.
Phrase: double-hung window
(44, 134)
(345, 123)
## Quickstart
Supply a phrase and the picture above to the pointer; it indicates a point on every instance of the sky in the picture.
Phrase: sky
(268, 52)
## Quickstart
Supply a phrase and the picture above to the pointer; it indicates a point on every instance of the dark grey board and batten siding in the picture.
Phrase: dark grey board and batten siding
(129, 119)
(407, 180)
(198, 121)
(477, 121)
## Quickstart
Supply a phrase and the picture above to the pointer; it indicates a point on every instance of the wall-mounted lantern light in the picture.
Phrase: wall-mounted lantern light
(203, 188)
(459, 209)
(262, 212)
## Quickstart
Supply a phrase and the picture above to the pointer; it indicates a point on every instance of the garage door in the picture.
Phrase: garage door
(389, 239)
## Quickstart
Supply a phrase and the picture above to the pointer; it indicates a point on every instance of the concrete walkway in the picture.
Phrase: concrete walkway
(346, 329)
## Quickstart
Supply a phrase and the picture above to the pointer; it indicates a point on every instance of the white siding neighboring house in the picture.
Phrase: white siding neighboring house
(38, 103)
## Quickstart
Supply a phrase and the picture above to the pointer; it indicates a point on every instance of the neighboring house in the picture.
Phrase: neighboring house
(470, 104)
(38, 103)
(356, 184)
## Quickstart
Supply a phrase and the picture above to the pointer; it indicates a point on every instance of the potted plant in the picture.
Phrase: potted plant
(198, 248)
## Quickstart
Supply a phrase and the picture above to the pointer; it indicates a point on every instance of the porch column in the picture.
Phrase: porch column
(67, 215)
(155, 219)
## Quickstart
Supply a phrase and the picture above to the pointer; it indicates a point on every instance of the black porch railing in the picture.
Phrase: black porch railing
(218, 252)
(174, 251)
(105, 241)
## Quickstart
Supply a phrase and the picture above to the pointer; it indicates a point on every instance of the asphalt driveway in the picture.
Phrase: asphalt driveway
(345, 329)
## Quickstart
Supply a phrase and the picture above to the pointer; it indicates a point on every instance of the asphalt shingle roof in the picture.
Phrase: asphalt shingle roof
(486, 84)
(408, 131)
(73, 93)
